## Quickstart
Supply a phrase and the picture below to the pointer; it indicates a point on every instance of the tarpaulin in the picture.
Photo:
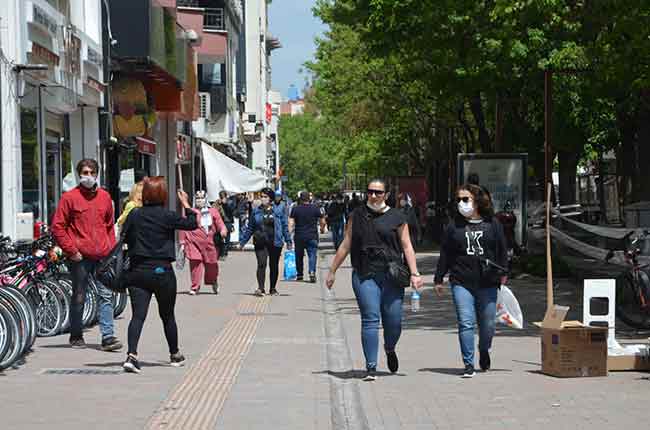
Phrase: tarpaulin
(225, 174)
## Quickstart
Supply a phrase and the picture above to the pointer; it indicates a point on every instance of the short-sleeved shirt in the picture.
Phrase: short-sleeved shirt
(306, 219)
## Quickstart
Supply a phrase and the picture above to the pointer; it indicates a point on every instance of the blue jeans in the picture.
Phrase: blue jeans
(337, 233)
(472, 307)
(80, 272)
(311, 246)
(378, 298)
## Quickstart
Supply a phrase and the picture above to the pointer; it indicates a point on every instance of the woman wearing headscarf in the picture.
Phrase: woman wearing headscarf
(268, 226)
(199, 244)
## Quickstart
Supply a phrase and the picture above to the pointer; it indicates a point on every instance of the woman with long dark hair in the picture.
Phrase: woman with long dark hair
(150, 238)
(376, 237)
(473, 252)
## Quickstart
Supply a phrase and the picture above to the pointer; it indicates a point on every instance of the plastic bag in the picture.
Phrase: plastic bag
(180, 258)
(508, 310)
(290, 269)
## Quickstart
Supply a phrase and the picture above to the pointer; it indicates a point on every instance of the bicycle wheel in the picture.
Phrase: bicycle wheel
(120, 301)
(5, 332)
(629, 305)
(90, 307)
(22, 307)
(48, 311)
(64, 302)
(13, 352)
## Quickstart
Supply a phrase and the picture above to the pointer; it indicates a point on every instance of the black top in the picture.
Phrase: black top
(268, 223)
(306, 218)
(335, 212)
(464, 250)
(369, 252)
(150, 232)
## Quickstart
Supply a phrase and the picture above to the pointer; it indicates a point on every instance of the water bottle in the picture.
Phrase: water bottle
(415, 301)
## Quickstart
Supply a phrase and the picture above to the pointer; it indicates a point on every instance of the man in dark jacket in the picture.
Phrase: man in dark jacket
(336, 219)
(304, 222)
(83, 226)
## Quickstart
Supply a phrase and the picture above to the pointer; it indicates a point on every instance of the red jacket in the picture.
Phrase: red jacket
(83, 223)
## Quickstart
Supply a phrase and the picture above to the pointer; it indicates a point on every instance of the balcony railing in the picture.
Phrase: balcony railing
(188, 3)
(214, 19)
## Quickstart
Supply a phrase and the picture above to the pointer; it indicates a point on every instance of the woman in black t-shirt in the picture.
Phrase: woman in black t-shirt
(375, 235)
(474, 253)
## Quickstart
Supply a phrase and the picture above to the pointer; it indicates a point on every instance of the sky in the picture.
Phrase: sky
(294, 24)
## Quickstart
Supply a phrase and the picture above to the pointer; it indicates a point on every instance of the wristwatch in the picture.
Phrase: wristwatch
(416, 274)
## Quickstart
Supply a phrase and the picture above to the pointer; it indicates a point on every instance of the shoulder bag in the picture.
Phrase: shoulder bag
(397, 270)
(111, 270)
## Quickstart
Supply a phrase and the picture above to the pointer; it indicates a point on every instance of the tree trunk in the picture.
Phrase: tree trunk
(476, 106)
(568, 165)
(643, 159)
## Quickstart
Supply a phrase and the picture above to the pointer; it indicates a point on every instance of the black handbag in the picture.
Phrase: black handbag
(111, 271)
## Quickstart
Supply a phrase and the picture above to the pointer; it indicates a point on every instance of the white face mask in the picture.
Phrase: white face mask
(88, 181)
(377, 207)
(466, 209)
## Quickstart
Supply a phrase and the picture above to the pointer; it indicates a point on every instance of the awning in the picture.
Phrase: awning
(225, 174)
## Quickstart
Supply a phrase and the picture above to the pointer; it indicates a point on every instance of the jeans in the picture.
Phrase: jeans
(229, 227)
(143, 283)
(337, 233)
(472, 307)
(311, 246)
(272, 253)
(377, 298)
(80, 273)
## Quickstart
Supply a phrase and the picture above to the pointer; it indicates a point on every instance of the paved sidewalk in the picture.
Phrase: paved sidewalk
(294, 362)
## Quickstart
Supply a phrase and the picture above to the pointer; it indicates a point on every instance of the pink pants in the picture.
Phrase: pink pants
(200, 271)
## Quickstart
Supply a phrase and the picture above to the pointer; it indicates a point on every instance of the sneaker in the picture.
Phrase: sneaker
(393, 362)
(215, 288)
(274, 292)
(111, 344)
(131, 365)
(484, 361)
(469, 371)
(177, 360)
(299, 278)
(371, 375)
(260, 293)
(77, 343)
(193, 293)
(312, 278)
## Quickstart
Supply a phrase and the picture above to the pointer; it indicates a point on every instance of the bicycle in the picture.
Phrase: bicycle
(633, 288)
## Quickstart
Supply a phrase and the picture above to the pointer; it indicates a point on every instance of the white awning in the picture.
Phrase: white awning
(225, 174)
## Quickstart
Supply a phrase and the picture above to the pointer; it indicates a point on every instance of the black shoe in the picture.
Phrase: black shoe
(371, 375)
(469, 371)
(215, 288)
(274, 292)
(111, 344)
(484, 361)
(393, 362)
(131, 365)
(260, 293)
(77, 343)
(299, 278)
(312, 278)
(177, 360)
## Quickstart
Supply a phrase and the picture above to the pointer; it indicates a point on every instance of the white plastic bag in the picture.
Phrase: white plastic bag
(508, 310)
(180, 258)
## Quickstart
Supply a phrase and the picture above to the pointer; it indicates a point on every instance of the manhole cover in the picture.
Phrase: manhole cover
(263, 314)
(86, 371)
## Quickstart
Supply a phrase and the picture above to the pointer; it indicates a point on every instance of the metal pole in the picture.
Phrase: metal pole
(548, 112)
(42, 184)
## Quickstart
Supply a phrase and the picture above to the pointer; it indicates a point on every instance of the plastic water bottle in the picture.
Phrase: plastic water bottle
(415, 301)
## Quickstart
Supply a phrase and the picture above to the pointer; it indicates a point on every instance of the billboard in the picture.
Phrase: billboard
(505, 177)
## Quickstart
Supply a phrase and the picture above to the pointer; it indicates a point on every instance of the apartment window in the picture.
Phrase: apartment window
(213, 19)
(211, 74)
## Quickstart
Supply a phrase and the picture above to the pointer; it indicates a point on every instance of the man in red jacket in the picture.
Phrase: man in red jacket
(83, 227)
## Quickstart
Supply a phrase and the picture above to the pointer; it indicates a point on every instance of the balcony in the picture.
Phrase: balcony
(214, 20)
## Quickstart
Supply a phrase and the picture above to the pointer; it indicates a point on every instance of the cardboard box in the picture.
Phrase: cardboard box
(629, 357)
(574, 350)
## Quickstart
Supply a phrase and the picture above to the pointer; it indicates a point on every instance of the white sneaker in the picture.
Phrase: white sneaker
(192, 293)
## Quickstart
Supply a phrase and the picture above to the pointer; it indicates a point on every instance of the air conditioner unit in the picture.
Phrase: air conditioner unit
(204, 105)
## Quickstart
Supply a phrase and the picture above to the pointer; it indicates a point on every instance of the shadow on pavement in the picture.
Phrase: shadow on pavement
(354, 374)
(119, 364)
(95, 346)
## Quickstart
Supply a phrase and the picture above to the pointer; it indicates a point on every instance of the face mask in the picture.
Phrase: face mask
(200, 203)
(466, 209)
(265, 201)
(377, 207)
(88, 181)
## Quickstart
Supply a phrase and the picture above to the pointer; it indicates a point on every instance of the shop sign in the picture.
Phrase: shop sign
(41, 54)
(269, 113)
(94, 57)
(183, 149)
(42, 18)
(145, 146)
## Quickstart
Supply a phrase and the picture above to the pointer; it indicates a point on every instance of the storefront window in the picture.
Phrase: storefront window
(30, 161)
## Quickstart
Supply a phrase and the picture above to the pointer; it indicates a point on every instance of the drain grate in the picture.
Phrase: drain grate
(263, 314)
(86, 371)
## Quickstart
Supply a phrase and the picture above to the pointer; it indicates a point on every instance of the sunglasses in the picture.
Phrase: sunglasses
(378, 193)
(464, 199)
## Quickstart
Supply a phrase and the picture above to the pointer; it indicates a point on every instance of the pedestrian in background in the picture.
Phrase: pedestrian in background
(303, 223)
(269, 230)
(471, 240)
(411, 216)
(336, 219)
(199, 245)
(376, 235)
(83, 226)
(134, 201)
(149, 233)
(227, 211)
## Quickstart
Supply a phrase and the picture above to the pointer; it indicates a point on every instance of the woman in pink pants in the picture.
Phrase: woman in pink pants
(199, 245)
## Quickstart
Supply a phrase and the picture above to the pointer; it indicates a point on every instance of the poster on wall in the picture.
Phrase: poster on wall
(505, 177)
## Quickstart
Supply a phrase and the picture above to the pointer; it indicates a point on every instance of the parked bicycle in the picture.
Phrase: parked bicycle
(633, 288)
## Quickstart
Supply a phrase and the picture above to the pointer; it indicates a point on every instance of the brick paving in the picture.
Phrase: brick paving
(301, 366)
